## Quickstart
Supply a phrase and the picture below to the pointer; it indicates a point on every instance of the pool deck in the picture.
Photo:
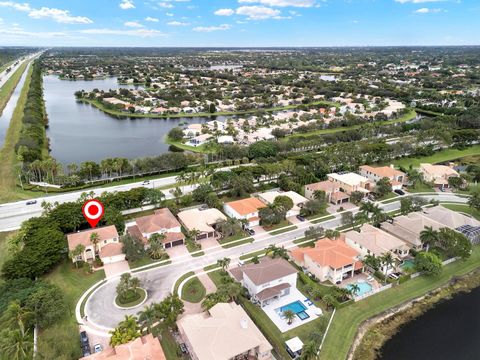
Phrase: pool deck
(295, 295)
(360, 277)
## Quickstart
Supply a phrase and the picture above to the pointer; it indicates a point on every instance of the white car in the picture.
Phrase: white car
(97, 348)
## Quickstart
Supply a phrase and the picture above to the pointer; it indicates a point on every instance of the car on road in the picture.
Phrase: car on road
(300, 217)
(146, 182)
(399, 192)
(31, 202)
(97, 348)
(250, 231)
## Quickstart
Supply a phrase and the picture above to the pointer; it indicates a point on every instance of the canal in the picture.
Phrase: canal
(449, 331)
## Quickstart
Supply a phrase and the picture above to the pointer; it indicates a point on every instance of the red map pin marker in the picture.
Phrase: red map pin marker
(93, 211)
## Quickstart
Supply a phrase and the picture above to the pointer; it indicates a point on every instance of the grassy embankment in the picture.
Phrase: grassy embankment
(8, 88)
(8, 157)
(347, 320)
(439, 156)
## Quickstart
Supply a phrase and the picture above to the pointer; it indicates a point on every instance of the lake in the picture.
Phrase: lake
(80, 132)
(451, 330)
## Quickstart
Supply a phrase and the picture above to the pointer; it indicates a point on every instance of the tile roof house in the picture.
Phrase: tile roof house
(225, 332)
(449, 218)
(331, 189)
(373, 241)
(397, 178)
(330, 260)
(245, 209)
(268, 280)
(203, 221)
(350, 182)
(142, 348)
(108, 247)
(298, 200)
(437, 174)
(161, 222)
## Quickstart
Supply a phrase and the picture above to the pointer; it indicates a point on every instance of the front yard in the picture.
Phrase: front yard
(193, 290)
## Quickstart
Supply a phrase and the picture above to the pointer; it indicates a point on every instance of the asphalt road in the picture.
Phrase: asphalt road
(4, 76)
(158, 282)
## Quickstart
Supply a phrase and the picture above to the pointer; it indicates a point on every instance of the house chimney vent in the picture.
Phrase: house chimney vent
(244, 323)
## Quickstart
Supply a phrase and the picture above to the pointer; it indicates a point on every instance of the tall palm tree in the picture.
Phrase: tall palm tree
(16, 345)
(289, 315)
(428, 237)
(134, 284)
(309, 351)
(79, 249)
(387, 261)
(223, 263)
(354, 289)
(147, 317)
(94, 239)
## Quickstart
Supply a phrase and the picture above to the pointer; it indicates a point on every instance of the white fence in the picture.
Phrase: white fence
(373, 292)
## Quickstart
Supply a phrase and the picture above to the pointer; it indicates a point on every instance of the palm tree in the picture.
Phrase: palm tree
(329, 300)
(79, 249)
(156, 250)
(134, 284)
(309, 351)
(387, 261)
(16, 345)
(289, 315)
(354, 289)
(193, 234)
(428, 237)
(332, 234)
(94, 239)
(147, 318)
(223, 263)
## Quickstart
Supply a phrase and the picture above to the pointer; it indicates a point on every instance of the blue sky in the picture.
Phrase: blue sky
(239, 22)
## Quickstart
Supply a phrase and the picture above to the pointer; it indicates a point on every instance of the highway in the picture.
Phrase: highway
(159, 281)
(4, 76)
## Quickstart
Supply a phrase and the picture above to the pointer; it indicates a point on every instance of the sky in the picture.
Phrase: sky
(239, 23)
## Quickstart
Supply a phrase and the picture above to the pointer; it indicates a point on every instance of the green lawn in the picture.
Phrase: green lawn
(285, 229)
(439, 156)
(252, 254)
(61, 341)
(348, 319)
(140, 296)
(463, 208)
(145, 260)
(230, 244)
(408, 116)
(229, 239)
(208, 148)
(420, 187)
(193, 291)
(281, 224)
(180, 279)
(169, 344)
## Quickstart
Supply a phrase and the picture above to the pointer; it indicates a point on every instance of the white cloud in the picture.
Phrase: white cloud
(36, 34)
(282, 3)
(417, 1)
(136, 32)
(212, 28)
(224, 12)
(169, 14)
(126, 4)
(58, 15)
(177, 23)
(16, 6)
(134, 24)
(151, 19)
(427, 11)
(258, 12)
(165, 5)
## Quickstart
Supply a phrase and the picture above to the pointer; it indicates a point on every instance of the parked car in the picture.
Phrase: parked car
(399, 192)
(183, 348)
(84, 338)
(250, 232)
(300, 217)
(442, 189)
(97, 348)
(86, 351)
(31, 202)
(146, 182)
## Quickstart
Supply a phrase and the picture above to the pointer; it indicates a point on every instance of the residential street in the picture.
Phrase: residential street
(159, 281)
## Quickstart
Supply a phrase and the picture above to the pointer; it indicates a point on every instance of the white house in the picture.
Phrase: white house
(268, 280)
(245, 209)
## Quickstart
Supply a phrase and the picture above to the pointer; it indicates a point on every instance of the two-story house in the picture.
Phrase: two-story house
(245, 209)
(161, 222)
(329, 260)
(331, 189)
(268, 280)
(397, 178)
(350, 182)
(103, 242)
(437, 174)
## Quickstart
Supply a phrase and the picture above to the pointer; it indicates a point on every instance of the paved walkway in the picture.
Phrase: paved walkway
(116, 268)
(206, 281)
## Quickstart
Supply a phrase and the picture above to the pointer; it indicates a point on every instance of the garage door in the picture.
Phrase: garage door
(177, 242)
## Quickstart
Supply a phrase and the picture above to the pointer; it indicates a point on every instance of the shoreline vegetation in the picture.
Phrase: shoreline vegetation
(378, 330)
(121, 114)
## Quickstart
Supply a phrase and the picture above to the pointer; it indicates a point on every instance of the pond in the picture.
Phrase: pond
(451, 330)
(80, 132)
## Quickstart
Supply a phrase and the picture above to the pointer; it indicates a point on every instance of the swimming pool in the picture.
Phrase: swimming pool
(364, 288)
(297, 307)
(408, 264)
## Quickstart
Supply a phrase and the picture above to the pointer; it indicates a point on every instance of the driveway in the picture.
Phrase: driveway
(208, 243)
(116, 268)
(177, 251)
(207, 282)
(333, 209)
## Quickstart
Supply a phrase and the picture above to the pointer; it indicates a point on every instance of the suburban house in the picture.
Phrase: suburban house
(145, 347)
(225, 332)
(350, 182)
(408, 228)
(199, 140)
(245, 209)
(373, 241)
(268, 280)
(332, 192)
(397, 178)
(438, 174)
(330, 260)
(298, 200)
(108, 247)
(203, 221)
(161, 222)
